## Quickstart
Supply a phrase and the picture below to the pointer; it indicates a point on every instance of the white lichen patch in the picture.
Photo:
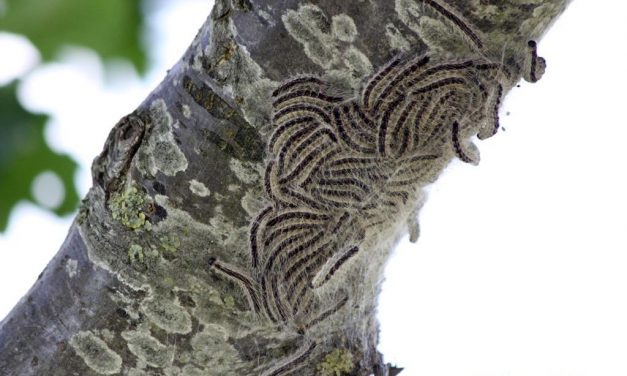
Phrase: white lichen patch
(343, 28)
(177, 218)
(96, 353)
(161, 153)
(306, 26)
(107, 334)
(124, 301)
(442, 34)
(543, 15)
(396, 39)
(438, 36)
(253, 202)
(211, 350)
(195, 236)
(358, 62)
(167, 315)
(325, 41)
(409, 12)
(226, 231)
(187, 112)
(266, 16)
(220, 227)
(241, 78)
(136, 372)
(71, 267)
(148, 349)
(198, 188)
(190, 370)
(246, 172)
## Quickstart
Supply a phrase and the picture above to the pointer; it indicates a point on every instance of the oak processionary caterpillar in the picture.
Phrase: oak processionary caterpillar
(338, 167)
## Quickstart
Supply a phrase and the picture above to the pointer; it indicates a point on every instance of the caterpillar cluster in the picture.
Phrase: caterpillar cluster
(340, 166)
(344, 165)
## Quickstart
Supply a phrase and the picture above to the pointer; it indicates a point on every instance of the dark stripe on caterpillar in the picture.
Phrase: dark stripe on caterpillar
(324, 315)
(448, 69)
(457, 145)
(383, 126)
(284, 127)
(248, 284)
(345, 182)
(439, 84)
(293, 138)
(377, 78)
(310, 139)
(254, 252)
(297, 214)
(364, 134)
(306, 107)
(299, 169)
(304, 94)
(345, 257)
(457, 21)
(294, 363)
(301, 80)
(318, 165)
(278, 303)
(398, 79)
(266, 301)
(344, 135)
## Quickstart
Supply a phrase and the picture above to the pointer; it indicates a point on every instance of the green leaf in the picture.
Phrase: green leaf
(24, 154)
(110, 27)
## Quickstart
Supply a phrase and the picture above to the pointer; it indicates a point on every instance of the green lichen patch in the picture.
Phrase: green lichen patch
(128, 207)
(96, 354)
(170, 243)
(148, 349)
(168, 315)
(136, 253)
(229, 302)
(336, 363)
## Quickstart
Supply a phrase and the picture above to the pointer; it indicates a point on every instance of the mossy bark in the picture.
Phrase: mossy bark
(179, 180)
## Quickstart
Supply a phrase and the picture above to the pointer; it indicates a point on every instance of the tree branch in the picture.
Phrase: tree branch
(241, 216)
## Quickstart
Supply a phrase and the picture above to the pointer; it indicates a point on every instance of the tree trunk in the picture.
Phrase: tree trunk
(241, 216)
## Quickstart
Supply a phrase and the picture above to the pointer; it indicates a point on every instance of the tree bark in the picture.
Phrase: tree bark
(158, 274)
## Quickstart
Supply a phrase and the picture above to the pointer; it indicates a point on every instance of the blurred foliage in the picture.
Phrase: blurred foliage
(24, 155)
(111, 28)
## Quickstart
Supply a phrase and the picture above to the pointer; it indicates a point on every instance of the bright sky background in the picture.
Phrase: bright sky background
(520, 269)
